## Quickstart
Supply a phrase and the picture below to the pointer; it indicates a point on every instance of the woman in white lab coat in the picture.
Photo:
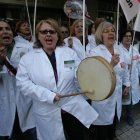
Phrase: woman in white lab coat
(110, 108)
(134, 66)
(76, 41)
(23, 44)
(47, 73)
(7, 92)
(23, 41)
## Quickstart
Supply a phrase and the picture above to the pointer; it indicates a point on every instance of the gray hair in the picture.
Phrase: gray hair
(99, 31)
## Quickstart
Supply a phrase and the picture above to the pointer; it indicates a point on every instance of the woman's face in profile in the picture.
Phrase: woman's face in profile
(48, 36)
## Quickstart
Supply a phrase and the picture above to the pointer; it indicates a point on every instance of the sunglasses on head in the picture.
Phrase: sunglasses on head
(4, 20)
(45, 32)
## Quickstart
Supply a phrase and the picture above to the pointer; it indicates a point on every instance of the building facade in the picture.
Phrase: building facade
(17, 9)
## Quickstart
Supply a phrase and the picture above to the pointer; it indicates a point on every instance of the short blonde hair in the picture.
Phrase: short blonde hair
(52, 23)
(99, 31)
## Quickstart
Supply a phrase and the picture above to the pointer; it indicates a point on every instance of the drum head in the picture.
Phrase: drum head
(97, 77)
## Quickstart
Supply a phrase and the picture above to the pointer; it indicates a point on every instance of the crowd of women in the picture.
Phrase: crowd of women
(34, 76)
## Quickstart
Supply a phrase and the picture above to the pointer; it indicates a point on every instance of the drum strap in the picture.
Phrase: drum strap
(10, 67)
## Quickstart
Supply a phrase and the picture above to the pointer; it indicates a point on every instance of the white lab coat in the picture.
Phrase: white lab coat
(21, 47)
(135, 73)
(7, 102)
(24, 104)
(137, 45)
(35, 78)
(92, 41)
(106, 108)
(79, 48)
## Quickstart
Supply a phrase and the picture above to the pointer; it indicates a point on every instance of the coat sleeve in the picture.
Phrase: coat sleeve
(138, 63)
(126, 75)
(15, 57)
(29, 88)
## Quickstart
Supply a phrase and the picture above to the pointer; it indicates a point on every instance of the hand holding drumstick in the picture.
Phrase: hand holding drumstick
(115, 60)
(126, 91)
(58, 97)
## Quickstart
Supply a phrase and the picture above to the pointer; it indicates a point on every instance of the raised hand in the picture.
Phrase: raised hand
(115, 60)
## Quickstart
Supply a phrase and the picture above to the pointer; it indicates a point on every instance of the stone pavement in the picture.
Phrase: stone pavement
(126, 132)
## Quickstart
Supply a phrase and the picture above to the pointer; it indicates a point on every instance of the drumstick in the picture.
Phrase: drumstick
(75, 93)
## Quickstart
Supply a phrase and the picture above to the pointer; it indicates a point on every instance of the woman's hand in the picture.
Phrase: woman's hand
(126, 91)
(115, 60)
(3, 53)
(56, 98)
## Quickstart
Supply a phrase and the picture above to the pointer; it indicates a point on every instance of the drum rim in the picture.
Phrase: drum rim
(112, 73)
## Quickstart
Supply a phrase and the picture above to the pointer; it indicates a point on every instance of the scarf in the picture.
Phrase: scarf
(27, 37)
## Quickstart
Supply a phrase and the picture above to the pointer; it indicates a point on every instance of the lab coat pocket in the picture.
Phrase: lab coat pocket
(69, 69)
(68, 74)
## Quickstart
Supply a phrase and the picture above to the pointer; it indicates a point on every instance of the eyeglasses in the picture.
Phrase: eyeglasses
(64, 32)
(107, 30)
(45, 32)
(127, 36)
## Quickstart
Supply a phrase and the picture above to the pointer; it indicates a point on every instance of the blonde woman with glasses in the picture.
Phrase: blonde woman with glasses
(47, 73)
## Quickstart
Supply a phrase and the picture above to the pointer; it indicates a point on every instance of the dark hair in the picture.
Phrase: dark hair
(18, 25)
(9, 22)
(123, 33)
(90, 28)
(65, 27)
(137, 36)
(98, 21)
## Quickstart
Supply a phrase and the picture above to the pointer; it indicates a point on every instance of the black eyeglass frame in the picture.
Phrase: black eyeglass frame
(45, 32)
